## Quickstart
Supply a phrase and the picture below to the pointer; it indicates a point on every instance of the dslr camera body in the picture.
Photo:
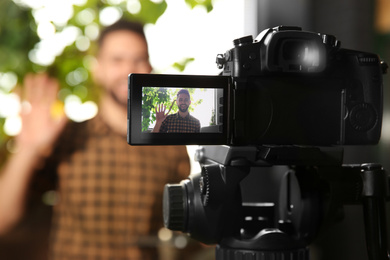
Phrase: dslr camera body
(288, 87)
(296, 87)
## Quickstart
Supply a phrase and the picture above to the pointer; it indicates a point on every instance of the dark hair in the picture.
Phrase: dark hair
(183, 91)
(122, 25)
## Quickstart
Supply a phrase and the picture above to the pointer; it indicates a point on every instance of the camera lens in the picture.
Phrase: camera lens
(175, 207)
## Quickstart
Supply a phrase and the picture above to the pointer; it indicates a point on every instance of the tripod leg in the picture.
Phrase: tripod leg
(374, 194)
(375, 228)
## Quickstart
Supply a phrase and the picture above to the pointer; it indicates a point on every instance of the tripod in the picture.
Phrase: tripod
(315, 185)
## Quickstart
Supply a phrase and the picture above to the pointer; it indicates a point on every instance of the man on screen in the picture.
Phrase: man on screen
(180, 122)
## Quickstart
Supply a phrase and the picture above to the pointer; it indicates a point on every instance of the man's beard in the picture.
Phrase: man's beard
(183, 109)
(117, 90)
(118, 100)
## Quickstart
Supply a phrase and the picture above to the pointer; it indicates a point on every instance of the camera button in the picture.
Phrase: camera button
(247, 66)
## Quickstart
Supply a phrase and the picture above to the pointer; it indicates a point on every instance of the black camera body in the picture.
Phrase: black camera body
(296, 87)
(288, 87)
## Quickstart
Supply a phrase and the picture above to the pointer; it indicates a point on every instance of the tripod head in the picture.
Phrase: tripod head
(278, 215)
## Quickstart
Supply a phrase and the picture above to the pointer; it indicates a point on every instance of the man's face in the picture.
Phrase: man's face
(183, 102)
(122, 52)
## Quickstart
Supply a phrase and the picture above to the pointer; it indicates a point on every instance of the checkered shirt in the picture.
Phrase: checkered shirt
(110, 193)
(176, 124)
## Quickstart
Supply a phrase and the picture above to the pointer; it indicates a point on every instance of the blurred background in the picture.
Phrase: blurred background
(184, 36)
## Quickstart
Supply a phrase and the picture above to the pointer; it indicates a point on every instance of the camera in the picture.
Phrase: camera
(287, 87)
(272, 167)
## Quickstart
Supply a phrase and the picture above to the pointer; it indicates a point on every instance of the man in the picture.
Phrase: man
(181, 122)
(109, 192)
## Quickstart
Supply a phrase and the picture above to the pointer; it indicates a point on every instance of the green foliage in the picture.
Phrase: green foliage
(149, 13)
(208, 4)
(150, 98)
(2, 134)
(17, 37)
(181, 65)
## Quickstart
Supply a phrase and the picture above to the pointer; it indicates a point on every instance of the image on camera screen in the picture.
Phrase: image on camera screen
(180, 110)
(177, 109)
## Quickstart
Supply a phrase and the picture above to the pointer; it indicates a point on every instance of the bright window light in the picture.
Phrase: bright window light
(12, 125)
(78, 111)
(110, 15)
(8, 81)
(9, 105)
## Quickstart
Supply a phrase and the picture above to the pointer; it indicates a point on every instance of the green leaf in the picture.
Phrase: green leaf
(181, 65)
(149, 12)
(17, 38)
(208, 4)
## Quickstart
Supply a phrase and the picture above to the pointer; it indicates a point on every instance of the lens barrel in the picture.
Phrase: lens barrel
(175, 207)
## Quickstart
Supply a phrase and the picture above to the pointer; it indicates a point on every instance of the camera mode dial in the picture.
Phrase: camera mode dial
(243, 41)
(330, 40)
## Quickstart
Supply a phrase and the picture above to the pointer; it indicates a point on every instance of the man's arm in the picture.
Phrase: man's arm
(39, 132)
(15, 178)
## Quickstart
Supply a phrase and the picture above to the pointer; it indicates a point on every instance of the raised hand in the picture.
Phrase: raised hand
(160, 111)
(161, 115)
(40, 128)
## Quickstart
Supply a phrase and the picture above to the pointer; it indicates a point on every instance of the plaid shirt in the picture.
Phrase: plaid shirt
(110, 193)
(176, 124)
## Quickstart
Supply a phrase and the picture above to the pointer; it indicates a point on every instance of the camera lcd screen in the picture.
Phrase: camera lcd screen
(177, 109)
